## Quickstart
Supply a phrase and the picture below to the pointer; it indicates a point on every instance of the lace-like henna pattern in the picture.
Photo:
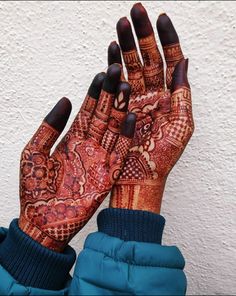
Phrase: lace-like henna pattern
(173, 54)
(100, 120)
(44, 137)
(117, 116)
(153, 65)
(83, 118)
(135, 71)
(159, 141)
(118, 156)
(60, 192)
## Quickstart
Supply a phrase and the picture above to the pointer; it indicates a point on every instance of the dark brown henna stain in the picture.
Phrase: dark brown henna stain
(58, 116)
(142, 24)
(179, 77)
(131, 58)
(112, 78)
(125, 35)
(128, 126)
(114, 55)
(60, 192)
(153, 64)
(171, 47)
(118, 112)
(96, 86)
(164, 120)
(166, 30)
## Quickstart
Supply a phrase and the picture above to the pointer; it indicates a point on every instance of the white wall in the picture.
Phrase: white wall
(53, 49)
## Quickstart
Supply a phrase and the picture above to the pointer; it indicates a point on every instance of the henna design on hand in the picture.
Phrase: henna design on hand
(59, 192)
(164, 116)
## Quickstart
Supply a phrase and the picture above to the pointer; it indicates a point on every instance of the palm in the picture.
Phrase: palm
(164, 116)
(60, 191)
(65, 185)
(160, 136)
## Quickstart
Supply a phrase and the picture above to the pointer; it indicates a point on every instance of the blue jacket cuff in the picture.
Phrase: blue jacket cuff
(33, 265)
(131, 225)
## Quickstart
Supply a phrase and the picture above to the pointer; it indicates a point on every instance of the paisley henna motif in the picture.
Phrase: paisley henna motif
(61, 191)
(164, 116)
(159, 141)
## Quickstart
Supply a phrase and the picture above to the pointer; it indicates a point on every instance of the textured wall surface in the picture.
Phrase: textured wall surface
(53, 49)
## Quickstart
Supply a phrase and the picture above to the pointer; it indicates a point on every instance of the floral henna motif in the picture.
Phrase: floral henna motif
(159, 141)
(60, 191)
(164, 116)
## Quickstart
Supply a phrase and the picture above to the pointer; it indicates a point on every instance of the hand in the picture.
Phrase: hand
(164, 112)
(60, 191)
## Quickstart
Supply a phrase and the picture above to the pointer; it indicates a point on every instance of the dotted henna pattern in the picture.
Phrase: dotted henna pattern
(163, 129)
(61, 191)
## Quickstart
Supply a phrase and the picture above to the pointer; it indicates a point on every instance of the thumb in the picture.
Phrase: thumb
(51, 127)
(179, 76)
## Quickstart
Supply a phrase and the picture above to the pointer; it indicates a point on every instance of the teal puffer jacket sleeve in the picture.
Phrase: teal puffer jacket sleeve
(9, 286)
(27, 268)
(111, 266)
(125, 257)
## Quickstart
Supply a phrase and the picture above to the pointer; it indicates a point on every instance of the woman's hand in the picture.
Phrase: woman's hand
(163, 107)
(60, 191)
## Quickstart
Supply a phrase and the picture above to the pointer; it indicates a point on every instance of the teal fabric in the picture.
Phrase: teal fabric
(33, 265)
(9, 286)
(111, 266)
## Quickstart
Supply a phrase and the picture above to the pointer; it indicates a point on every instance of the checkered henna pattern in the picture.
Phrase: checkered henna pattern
(162, 105)
(60, 191)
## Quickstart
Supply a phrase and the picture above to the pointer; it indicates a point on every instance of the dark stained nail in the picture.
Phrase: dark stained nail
(125, 35)
(114, 55)
(96, 85)
(142, 24)
(166, 30)
(58, 116)
(121, 101)
(179, 76)
(128, 125)
(112, 78)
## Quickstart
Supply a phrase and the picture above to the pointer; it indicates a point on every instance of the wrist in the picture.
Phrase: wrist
(40, 236)
(145, 195)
